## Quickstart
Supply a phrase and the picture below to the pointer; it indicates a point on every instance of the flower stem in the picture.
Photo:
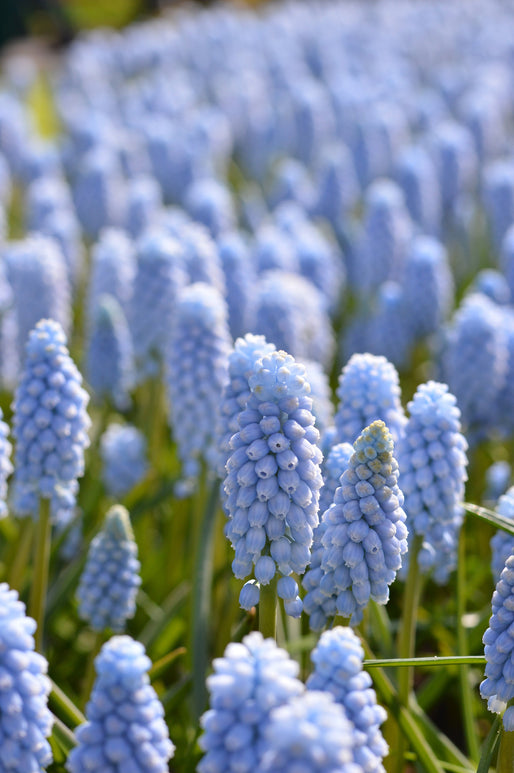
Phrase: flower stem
(21, 558)
(41, 564)
(268, 610)
(466, 693)
(505, 761)
(89, 676)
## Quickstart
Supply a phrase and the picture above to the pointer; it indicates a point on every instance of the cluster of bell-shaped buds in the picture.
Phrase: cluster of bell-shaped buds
(432, 459)
(273, 480)
(109, 582)
(502, 543)
(337, 660)
(498, 686)
(369, 389)
(123, 449)
(24, 690)
(365, 535)
(50, 423)
(5, 464)
(125, 727)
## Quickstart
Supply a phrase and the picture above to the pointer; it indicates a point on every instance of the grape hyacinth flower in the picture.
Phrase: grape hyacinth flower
(322, 406)
(250, 680)
(502, 543)
(497, 477)
(99, 191)
(5, 464)
(334, 464)
(125, 727)
(50, 423)
(196, 373)
(236, 391)
(109, 582)
(365, 536)
(498, 686)
(24, 690)
(209, 202)
(309, 733)
(240, 281)
(273, 481)
(113, 266)
(110, 356)
(123, 452)
(432, 459)
(369, 389)
(337, 660)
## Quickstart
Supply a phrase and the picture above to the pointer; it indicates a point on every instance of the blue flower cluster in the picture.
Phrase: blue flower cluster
(50, 423)
(337, 660)
(24, 690)
(432, 459)
(123, 452)
(5, 464)
(498, 686)
(273, 480)
(309, 733)
(112, 270)
(196, 373)
(502, 543)
(428, 286)
(108, 585)
(125, 728)
(369, 389)
(365, 535)
(110, 357)
(249, 681)
(240, 278)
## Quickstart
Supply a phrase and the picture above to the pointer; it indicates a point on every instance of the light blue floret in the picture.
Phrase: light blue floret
(196, 373)
(365, 536)
(209, 202)
(309, 733)
(497, 477)
(416, 174)
(24, 690)
(337, 660)
(249, 681)
(125, 727)
(110, 356)
(369, 389)
(273, 475)
(123, 451)
(99, 191)
(240, 278)
(109, 583)
(432, 459)
(498, 686)
(502, 543)
(113, 266)
(50, 423)
(428, 286)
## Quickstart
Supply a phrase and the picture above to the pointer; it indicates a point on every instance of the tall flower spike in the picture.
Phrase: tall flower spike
(502, 543)
(309, 733)
(432, 459)
(108, 585)
(236, 391)
(50, 423)
(123, 450)
(113, 266)
(252, 678)
(337, 660)
(5, 464)
(196, 373)
(160, 276)
(273, 480)
(24, 690)
(497, 477)
(125, 728)
(369, 389)
(110, 357)
(316, 604)
(365, 536)
(498, 686)
(240, 281)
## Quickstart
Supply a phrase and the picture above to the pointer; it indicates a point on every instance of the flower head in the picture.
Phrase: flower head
(123, 452)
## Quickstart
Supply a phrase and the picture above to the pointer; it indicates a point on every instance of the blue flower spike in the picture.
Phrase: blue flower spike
(123, 449)
(251, 679)
(273, 479)
(24, 690)
(498, 686)
(125, 727)
(365, 536)
(109, 583)
(337, 660)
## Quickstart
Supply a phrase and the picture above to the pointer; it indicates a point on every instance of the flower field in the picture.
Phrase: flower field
(256, 390)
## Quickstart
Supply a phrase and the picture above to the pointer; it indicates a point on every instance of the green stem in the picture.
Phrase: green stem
(490, 746)
(268, 610)
(432, 660)
(90, 673)
(505, 762)
(407, 637)
(41, 566)
(202, 597)
(63, 735)
(21, 558)
(466, 693)
(64, 708)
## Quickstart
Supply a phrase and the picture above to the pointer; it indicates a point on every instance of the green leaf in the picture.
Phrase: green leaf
(498, 521)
